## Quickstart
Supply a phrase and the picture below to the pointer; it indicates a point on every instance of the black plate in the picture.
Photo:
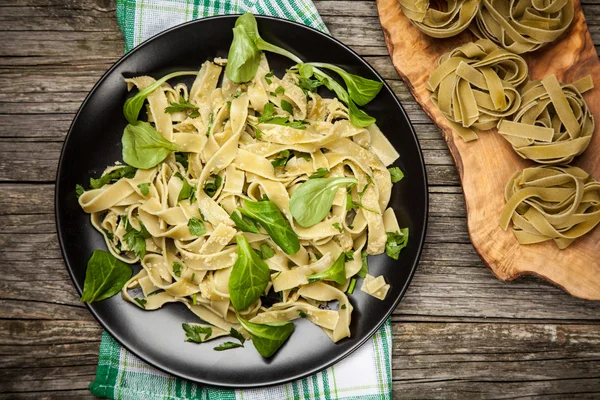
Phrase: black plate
(94, 141)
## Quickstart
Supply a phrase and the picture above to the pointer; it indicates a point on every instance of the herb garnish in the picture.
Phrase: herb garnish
(196, 333)
(396, 241)
(104, 277)
(183, 105)
(269, 337)
(336, 273)
(144, 147)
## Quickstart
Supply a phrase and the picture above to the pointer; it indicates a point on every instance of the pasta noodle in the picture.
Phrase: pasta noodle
(554, 124)
(559, 203)
(475, 85)
(522, 26)
(230, 153)
(443, 23)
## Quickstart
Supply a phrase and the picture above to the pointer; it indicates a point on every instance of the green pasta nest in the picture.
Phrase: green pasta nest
(522, 26)
(559, 203)
(553, 124)
(450, 21)
(475, 86)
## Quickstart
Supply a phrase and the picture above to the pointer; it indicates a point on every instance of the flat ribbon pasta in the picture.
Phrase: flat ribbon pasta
(559, 203)
(475, 85)
(554, 123)
(454, 18)
(522, 26)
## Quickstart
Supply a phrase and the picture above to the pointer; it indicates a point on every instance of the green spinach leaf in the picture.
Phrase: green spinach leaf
(144, 147)
(361, 90)
(266, 213)
(244, 57)
(186, 191)
(266, 251)
(358, 117)
(336, 273)
(249, 276)
(312, 200)
(104, 277)
(133, 105)
(396, 241)
(269, 337)
(243, 223)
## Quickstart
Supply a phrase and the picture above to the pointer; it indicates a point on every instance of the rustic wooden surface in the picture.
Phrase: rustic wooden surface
(485, 165)
(458, 333)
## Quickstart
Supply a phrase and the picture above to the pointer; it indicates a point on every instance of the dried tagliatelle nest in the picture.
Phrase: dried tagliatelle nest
(475, 85)
(559, 203)
(554, 123)
(451, 20)
(522, 26)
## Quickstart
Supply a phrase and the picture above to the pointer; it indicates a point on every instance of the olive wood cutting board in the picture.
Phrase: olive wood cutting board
(486, 164)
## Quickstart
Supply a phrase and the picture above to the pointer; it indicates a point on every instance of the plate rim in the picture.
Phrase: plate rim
(305, 373)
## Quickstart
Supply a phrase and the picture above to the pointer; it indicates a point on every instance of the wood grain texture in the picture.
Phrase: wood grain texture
(458, 333)
(485, 165)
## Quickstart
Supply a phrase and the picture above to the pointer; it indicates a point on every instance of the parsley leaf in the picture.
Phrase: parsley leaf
(308, 85)
(182, 158)
(177, 268)
(396, 241)
(144, 188)
(195, 333)
(282, 160)
(113, 176)
(183, 105)
(395, 174)
(319, 173)
(302, 314)
(287, 106)
(136, 240)
(280, 90)
(227, 346)
(338, 227)
(196, 227)
(268, 77)
(79, 190)
(237, 335)
(210, 188)
(186, 190)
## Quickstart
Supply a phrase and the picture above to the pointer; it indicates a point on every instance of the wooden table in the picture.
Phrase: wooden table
(458, 333)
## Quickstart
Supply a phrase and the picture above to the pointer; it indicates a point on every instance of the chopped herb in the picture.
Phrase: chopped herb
(364, 270)
(338, 227)
(177, 268)
(136, 240)
(144, 188)
(194, 298)
(275, 276)
(287, 106)
(186, 190)
(280, 90)
(319, 173)
(195, 333)
(183, 105)
(350, 204)
(141, 302)
(228, 105)
(237, 335)
(79, 190)
(210, 188)
(282, 159)
(268, 77)
(343, 307)
(352, 286)
(227, 346)
(182, 158)
(396, 174)
(272, 94)
(269, 118)
(193, 277)
(237, 94)
(196, 227)
(211, 120)
(155, 292)
(349, 255)
(113, 176)
(301, 154)
(257, 132)
(396, 241)
(302, 314)
(308, 85)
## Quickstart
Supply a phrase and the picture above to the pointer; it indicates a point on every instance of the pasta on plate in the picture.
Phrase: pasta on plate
(218, 209)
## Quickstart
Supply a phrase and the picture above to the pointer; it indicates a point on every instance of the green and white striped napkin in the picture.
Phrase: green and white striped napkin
(364, 375)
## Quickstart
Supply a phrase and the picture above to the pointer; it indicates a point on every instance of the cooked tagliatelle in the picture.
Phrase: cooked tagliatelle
(475, 85)
(522, 26)
(218, 213)
(559, 203)
(553, 124)
(452, 19)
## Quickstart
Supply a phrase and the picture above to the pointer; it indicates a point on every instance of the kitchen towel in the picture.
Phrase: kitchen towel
(364, 375)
